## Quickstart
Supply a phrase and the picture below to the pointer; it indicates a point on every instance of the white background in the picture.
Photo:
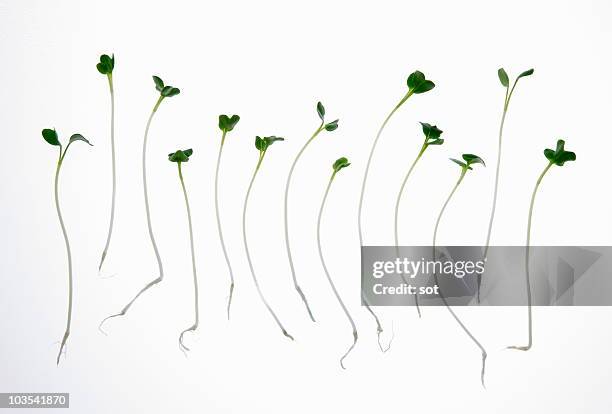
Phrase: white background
(270, 62)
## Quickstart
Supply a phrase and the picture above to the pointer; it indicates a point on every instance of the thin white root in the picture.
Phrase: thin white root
(229, 301)
(102, 261)
(111, 276)
(520, 348)
(63, 349)
(482, 372)
(383, 349)
(379, 331)
(127, 307)
(182, 345)
(299, 290)
(349, 350)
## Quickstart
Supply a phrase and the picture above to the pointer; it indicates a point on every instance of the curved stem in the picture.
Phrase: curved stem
(329, 279)
(227, 261)
(527, 278)
(248, 255)
(441, 294)
(113, 164)
(149, 226)
(396, 216)
(287, 244)
(193, 327)
(363, 187)
(68, 253)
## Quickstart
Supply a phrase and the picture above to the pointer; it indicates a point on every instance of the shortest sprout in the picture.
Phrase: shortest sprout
(180, 155)
(559, 156)
(262, 144)
(106, 65)
(469, 160)
(165, 91)
(417, 83)
(227, 123)
(340, 164)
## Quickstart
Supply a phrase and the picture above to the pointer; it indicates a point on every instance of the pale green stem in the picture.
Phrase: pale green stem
(227, 261)
(68, 252)
(287, 243)
(112, 213)
(379, 329)
(149, 226)
(196, 294)
(329, 279)
(441, 294)
(396, 216)
(527, 278)
(497, 169)
(248, 255)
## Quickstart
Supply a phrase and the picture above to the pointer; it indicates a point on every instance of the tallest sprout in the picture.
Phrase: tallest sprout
(417, 84)
(105, 67)
(331, 126)
(51, 137)
(226, 124)
(558, 156)
(164, 92)
(503, 78)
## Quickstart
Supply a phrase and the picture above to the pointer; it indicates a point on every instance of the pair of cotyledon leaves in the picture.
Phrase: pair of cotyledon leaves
(417, 83)
(340, 163)
(50, 135)
(165, 91)
(180, 155)
(106, 65)
(432, 134)
(227, 123)
(469, 159)
(505, 81)
(262, 144)
(331, 126)
(559, 156)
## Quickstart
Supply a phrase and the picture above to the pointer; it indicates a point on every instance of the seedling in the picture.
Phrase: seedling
(226, 124)
(105, 67)
(417, 84)
(503, 78)
(466, 164)
(262, 145)
(331, 126)
(50, 135)
(559, 157)
(164, 92)
(432, 137)
(337, 166)
(179, 157)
